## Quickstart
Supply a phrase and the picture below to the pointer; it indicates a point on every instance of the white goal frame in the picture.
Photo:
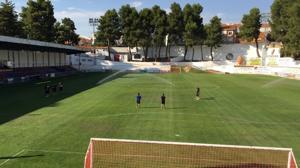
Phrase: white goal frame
(289, 150)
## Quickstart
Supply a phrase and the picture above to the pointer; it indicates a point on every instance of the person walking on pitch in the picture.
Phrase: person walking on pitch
(138, 100)
(198, 93)
(163, 101)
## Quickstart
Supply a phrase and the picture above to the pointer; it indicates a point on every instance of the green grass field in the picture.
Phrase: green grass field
(54, 132)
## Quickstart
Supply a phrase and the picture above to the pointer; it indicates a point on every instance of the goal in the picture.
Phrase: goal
(115, 153)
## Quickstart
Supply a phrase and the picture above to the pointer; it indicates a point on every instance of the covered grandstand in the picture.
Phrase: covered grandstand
(23, 59)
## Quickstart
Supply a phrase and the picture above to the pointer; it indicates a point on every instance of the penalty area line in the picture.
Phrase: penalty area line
(1, 164)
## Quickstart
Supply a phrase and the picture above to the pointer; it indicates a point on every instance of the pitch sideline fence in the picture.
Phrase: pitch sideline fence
(104, 153)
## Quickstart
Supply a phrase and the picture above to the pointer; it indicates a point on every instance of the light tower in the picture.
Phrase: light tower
(93, 22)
(265, 19)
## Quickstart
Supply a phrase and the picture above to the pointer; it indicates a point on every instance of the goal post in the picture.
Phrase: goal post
(89, 156)
(118, 153)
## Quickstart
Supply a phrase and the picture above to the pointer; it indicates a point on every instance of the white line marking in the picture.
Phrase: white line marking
(56, 151)
(12, 156)
(110, 76)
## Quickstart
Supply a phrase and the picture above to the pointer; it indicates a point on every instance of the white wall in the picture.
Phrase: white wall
(246, 50)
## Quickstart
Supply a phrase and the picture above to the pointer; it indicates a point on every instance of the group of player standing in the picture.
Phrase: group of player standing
(49, 89)
(162, 99)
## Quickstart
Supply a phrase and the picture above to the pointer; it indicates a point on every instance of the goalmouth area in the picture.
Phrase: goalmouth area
(106, 153)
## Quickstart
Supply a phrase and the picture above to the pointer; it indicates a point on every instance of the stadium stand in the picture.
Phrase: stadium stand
(25, 74)
(23, 60)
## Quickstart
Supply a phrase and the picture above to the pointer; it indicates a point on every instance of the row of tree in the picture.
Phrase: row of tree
(150, 27)
(37, 22)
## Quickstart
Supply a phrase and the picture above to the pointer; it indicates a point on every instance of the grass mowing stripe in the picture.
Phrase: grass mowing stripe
(235, 109)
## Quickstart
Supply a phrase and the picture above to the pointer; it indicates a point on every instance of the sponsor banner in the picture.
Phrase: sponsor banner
(272, 61)
(254, 61)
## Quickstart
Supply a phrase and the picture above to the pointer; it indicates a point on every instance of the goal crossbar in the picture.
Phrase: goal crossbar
(104, 152)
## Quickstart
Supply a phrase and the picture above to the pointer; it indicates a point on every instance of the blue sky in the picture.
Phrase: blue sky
(231, 11)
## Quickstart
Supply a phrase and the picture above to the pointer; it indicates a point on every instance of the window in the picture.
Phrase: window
(230, 33)
(137, 56)
(229, 56)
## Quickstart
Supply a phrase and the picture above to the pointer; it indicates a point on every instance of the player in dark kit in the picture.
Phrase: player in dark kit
(138, 100)
(163, 101)
(198, 93)
(47, 90)
(54, 88)
(60, 86)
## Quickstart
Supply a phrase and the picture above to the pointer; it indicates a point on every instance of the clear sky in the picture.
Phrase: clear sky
(231, 11)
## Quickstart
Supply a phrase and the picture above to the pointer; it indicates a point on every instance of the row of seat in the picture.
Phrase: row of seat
(33, 71)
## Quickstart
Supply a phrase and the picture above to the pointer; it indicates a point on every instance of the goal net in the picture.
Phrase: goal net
(114, 153)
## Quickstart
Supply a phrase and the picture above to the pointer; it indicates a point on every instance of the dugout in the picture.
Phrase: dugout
(21, 53)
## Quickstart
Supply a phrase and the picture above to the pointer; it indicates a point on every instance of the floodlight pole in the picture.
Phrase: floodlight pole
(94, 22)
(265, 18)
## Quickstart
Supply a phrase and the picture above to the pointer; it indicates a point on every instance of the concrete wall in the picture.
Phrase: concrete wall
(246, 50)
(24, 58)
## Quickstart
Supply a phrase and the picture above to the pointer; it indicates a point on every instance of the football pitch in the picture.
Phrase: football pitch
(54, 132)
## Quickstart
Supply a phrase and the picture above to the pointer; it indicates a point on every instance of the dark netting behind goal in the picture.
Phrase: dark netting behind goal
(111, 153)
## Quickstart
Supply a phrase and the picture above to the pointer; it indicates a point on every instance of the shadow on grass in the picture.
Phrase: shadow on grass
(250, 165)
(176, 108)
(20, 157)
(158, 107)
(150, 107)
(19, 99)
(208, 98)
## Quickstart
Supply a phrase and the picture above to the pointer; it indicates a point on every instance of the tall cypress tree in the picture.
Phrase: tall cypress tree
(9, 24)
(38, 20)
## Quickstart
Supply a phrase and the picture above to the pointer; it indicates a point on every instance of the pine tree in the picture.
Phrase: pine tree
(160, 22)
(292, 38)
(194, 29)
(214, 34)
(65, 32)
(146, 28)
(285, 26)
(38, 20)
(176, 26)
(250, 28)
(9, 24)
(129, 19)
(109, 29)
